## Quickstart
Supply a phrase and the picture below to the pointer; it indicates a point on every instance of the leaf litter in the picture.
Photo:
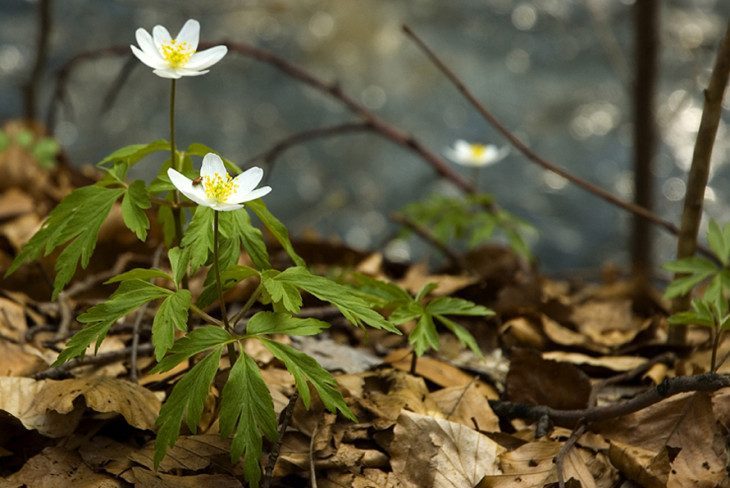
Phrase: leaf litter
(552, 343)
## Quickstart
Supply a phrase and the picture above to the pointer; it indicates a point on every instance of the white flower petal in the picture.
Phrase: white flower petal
(224, 207)
(247, 181)
(207, 58)
(212, 163)
(147, 59)
(167, 73)
(147, 44)
(190, 33)
(257, 193)
(186, 187)
(160, 36)
(189, 72)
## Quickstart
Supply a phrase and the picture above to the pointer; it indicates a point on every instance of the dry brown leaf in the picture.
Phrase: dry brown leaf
(467, 406)
(18, 397)
(14, 202)
(534, 380)
(190, 453)
(370, 478)
(150, 479)
(391, 392)
(618, 364)
(20, 359)
(103, 453)
(642, 466)
(56, 467)
(609, 323)
(418, 276)
(12, 320)
(138, 405)
(521, 331)
(429, 452)
(682, 427)
(560, 334)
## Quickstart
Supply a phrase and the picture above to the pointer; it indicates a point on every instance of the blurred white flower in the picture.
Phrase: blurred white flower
(475, 155)
(216, 189)
(175, 58)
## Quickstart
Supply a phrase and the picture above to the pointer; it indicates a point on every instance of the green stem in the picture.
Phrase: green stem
(177, 211)
(716, 335)
(232, 354)
(251, 300)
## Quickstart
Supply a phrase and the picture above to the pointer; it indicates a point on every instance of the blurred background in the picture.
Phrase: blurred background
(558, 73)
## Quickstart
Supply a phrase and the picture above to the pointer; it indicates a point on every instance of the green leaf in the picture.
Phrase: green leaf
(77, 218)
(166, 220)
(198, 238)
(178, 263)
(129, 296)
(283, 323)
(132, 154)
(380, 293)
(282, 292)
(306, 369)
(195, 342)
(247, 412)
(251, 239)
(229, 278)
(425, 291)
(186, 400)
(683, 285)
(693, 264)
(276, 228)
(406, 312)
(352, 307)
(173, 312)
(139, 274)
(135, 202)
(461, 333)
(718, 242)
(424, 336)
(456, 306)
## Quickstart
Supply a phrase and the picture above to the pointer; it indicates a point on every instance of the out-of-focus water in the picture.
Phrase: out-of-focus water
(557, 72)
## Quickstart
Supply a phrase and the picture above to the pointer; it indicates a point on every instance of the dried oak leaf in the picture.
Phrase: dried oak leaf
(19, 396)
(428, 452)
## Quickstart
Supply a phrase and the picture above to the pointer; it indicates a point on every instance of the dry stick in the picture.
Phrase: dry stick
(669, 387)
(534, 157)
(270, 155)
(564, 450)
(284, 419)
(312, 470)
(425, 233)
(700, 170)
(646, 41)
(98, 360)
(30, 89)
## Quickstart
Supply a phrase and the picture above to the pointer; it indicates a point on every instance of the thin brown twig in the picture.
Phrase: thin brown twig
(284, 419)
(425, 233)
(668, 388)
(97, 360)
(533, 156)
(667, 358)
(312, 469)
(563, 453)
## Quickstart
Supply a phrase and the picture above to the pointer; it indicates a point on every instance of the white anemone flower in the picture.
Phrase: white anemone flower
(216, 189)
(175, 58)
(475, 155)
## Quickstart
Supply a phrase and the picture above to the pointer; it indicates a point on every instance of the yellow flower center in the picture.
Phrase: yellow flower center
(219, 188)
(478, 150)
(176, 53)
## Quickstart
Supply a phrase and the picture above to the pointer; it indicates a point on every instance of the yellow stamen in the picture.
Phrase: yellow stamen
(176, 53)
(478, 150)
(218, 187)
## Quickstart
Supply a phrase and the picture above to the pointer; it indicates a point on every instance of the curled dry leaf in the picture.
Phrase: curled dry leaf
(150, 479)
(20, 359)
(616, 364)
(190, 453)
(468, 406)
(428, 452)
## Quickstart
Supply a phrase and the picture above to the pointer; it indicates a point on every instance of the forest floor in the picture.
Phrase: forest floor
(554, 395)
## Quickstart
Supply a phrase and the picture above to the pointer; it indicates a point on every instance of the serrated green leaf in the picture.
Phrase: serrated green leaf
(139, 274)
(229, 278)
(406, 312)
(684, 284)
(195, 342)
(166, 220)
(287, 294)
(352, 307)
(461, 333)
(424, 335)
(173, 313)
(129, 296)
(282, 323)
(77, 218)
(198, 238)
(379, 293)
(251, 239)
(425, 291)
(186, 401)
(178, 263)
(276, 228)
(716, 240)
(306, 369)
(133, 153)
(135, 202)
(456, 306)
(247, 412)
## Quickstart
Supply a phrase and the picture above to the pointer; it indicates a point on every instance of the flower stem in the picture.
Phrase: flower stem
(251, 300)
(177, 211)
(232, 354)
